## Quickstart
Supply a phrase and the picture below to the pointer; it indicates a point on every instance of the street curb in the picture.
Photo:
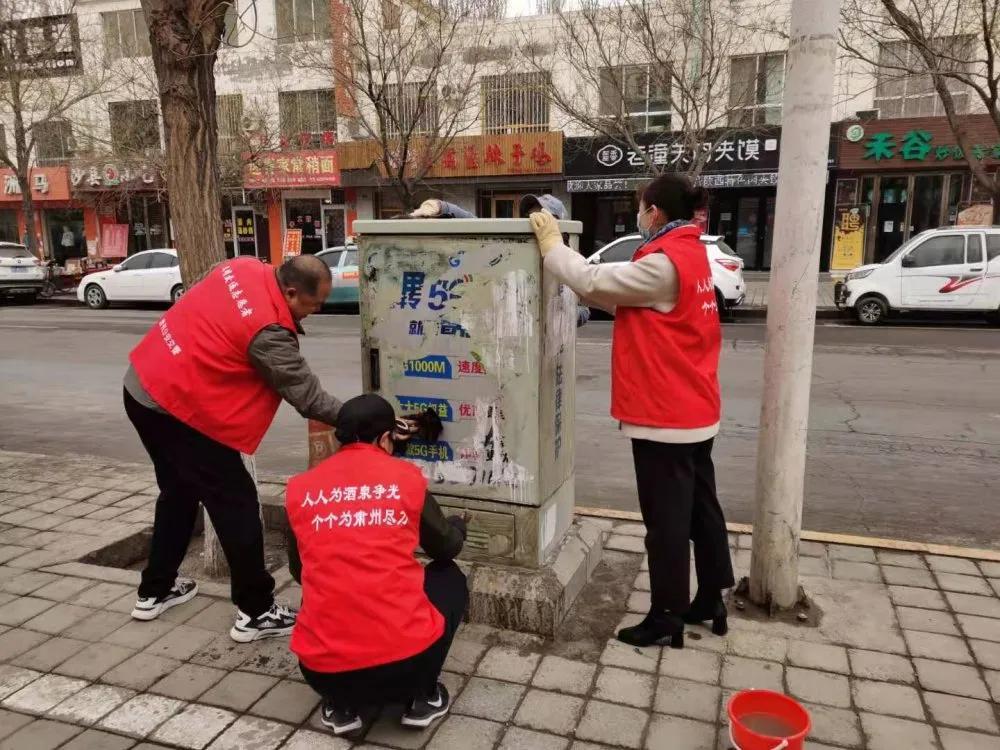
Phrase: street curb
(851, 540)
(822, 313)
(59, 302)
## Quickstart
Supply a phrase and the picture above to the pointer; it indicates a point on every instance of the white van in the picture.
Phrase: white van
(949, 269)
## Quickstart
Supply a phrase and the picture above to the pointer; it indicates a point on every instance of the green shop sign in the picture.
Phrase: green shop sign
(918, 145)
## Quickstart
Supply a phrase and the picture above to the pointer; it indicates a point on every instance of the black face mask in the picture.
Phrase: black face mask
(399, 446)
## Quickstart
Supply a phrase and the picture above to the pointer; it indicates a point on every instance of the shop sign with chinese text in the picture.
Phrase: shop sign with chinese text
(920, 143)
(848, 238)
(115, 175)
(47, 184)
(288, 169)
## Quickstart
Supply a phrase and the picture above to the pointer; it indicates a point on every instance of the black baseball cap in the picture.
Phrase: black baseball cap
(364, 419)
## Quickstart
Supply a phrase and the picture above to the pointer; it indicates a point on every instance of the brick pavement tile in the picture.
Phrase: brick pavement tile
(10, 722)
(138, 634)
(993, 681)
(756, 645)
(102, 594)
(954, 679)
(80, 509)
(19, 516)
(107, 497)
(818, 656)
(812, 549)
(26, 582)
(908, 577)
(549, 712)
(48, 521)
(854, 554)
(525, 739)
(239, 690)
(641, 581)
(937, 646)
(901, 559)
(942, 564)
(981, 606)
(55, 620)
(95, 739)
(182, 642)
(141, 715)
(836, 726)
(464, 655)
(306, 739)
(847, 570)
(97, 626)
(819, 687)
(684, 698)
(49, 504)
(995, 585)
(489, 699)
(51, 652)
(929, 620)
(624, 543)
(964, 713)
(983, 628)
(182, 614)
(387, 731)
(41, 558)
(288, 701)
(625, 686)
(79, 493)
(890, 733)
(17, 641)
(638, 602)
(94, 660)
(91, 704)
(10, 552)
(612, 724)
(64, 589)
(618, 654)
(887, 698)
(964, 584)
(957, 739)
(742, 673)
(43, 694)
(909, 596)
(194, 727)
(569, 676)
(673, 731)
(40, 735)
(690, 664)
(23, 609)
(188, 681)
(271, 657)
(217, 616)
(990, 569)
(252, 733)
(12, 679)
(140, 671)
(503, 663)
(986, 653)
(466, 733)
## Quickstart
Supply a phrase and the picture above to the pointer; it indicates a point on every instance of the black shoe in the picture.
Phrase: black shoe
(277, 621)
(655, 629)
(340, 720)
(151, 607)
(425, 710)
(709, 607)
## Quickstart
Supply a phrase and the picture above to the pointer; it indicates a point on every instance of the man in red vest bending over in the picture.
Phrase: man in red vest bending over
(202, 388)
(375, 625)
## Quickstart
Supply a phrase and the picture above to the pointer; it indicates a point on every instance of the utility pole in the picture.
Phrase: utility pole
(791, 311)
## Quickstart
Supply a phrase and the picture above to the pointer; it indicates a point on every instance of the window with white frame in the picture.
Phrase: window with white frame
(640, 93)
(125, 34)
(305, 115)
(756, 85)
(515, 103)
(229, 119)
(902, 90)
(302, 20)
(412, 108)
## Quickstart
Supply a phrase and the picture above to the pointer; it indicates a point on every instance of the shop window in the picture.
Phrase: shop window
(305, 214)
(302, 20)
(8, 226)
(638, 93)
(229, 119)
(516, 103)
(305, 115)
(412, 108)
(756, 86)
(904, 88)
(125, 34)
(65, 233)
(135, 126)
(948, 250)
(3, 140)
(53, 142)
(392, 15)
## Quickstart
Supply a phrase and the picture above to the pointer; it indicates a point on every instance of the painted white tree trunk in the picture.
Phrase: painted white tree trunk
(791, 313)
(213, 558)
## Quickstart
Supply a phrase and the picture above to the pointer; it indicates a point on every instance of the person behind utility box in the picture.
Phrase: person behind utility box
(203, 386)
(665, 394)
(375, 626)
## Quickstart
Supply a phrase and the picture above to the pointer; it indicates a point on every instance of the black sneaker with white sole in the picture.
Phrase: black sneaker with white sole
(151, 607)
(341, 720)
(423, 711)
(277, 621)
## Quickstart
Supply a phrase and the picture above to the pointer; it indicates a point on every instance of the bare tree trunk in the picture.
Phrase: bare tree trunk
(28, 210)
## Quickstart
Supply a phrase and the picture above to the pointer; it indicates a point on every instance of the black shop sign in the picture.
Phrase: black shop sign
(43, 47)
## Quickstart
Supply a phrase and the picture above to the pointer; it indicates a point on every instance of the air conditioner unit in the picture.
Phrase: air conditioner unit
(867, 114)
(252, 124)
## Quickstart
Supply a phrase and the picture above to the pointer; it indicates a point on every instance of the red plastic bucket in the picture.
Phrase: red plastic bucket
(766, 720)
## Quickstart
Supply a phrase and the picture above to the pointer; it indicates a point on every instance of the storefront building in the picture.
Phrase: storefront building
(63, 229)
(898, 177)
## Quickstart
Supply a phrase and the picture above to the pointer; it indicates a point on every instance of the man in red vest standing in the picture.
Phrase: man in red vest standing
(202, 388)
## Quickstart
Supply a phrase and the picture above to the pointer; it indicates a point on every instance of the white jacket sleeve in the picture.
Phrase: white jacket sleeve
(649, 282)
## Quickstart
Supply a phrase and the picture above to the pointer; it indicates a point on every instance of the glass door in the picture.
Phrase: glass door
(245, 229)
(891, 216)
(334, 226)
(747, 224)
(928, 192)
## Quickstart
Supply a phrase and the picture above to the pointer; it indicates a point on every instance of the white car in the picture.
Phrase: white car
(21, 275)
(149, 276)
(727, 268)
(948, 269)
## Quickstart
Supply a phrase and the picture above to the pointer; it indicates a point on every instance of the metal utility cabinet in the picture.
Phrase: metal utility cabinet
(458, 317)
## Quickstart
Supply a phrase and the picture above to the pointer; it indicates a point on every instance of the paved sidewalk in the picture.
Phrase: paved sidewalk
(757, 292)
(907, 655)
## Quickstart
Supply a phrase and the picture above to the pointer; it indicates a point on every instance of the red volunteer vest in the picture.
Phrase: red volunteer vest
(193, 362)
(664, 366)
(356, 518)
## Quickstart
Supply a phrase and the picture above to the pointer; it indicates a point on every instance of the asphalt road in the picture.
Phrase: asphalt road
(904, 432)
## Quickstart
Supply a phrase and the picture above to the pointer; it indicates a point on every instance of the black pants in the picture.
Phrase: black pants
(191, 469)
(676, 483)
(402, 681)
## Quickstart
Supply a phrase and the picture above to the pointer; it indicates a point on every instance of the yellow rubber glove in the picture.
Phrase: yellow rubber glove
(429, 209)
(546, 230)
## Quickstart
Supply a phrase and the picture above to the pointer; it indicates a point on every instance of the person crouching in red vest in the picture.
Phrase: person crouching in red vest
(665, 395)
(203, 387)
(375, 625)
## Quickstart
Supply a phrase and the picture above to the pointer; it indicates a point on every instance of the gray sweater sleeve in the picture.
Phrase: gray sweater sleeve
(274, 354)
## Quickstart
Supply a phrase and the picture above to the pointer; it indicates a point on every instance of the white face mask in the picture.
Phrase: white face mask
(644, 232)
